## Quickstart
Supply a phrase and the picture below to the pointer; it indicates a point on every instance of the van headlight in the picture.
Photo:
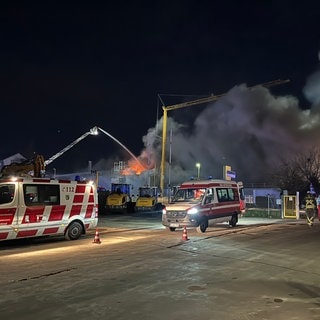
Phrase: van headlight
(192, 211)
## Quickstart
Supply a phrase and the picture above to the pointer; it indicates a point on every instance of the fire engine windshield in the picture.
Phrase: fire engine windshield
(193, 195)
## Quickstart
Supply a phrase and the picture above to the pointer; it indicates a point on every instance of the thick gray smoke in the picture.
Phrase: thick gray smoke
(249, 129)
(312, 89)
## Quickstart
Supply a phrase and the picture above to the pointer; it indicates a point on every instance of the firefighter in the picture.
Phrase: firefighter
(318, 206)
(311, 206)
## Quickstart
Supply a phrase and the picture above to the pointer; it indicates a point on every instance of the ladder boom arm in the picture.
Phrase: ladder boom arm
(92, 131)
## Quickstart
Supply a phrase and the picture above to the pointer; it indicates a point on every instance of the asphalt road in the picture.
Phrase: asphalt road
(262, 269)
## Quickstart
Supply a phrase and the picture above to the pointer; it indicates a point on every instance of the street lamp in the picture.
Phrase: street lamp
(198, 165)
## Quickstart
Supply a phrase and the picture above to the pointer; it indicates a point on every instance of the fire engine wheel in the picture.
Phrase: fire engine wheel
(172, 229)
(203, 225)
(233, 221)
(74, 231)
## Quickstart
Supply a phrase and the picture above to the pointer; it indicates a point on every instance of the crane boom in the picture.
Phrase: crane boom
(216, 97)
(194, 103)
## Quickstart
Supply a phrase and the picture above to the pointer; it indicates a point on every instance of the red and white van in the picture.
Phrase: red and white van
(202, 203)
(33, 207)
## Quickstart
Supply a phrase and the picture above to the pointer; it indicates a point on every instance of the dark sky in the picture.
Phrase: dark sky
(67, 68)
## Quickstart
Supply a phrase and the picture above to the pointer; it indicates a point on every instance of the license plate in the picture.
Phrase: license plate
(174, 225)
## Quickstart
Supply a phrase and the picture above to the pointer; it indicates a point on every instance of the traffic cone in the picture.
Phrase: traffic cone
(184, 234)
(96, 238)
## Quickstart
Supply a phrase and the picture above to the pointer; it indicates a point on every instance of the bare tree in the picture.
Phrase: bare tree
(288, 178)
(297, 174)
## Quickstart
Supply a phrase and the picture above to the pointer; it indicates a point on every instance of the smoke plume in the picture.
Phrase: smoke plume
(249, 129)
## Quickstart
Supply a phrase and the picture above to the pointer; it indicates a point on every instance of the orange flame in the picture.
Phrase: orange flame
(134, 167)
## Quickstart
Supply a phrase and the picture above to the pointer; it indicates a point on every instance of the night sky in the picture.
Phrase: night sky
(67, 68)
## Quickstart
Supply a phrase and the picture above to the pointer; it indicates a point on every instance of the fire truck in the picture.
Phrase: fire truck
(35, 207)
(202, 203)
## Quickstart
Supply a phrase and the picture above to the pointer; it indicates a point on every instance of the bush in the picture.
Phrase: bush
(263, 213)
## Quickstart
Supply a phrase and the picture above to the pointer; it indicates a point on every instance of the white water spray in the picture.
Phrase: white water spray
(122, 145)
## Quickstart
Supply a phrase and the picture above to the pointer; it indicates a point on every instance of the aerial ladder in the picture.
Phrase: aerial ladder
(93, 131)
(35, 167)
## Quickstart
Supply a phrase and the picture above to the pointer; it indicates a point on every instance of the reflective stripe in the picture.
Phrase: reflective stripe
(310, 204)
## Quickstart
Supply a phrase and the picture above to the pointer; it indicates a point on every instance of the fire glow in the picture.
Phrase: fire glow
(134, 167)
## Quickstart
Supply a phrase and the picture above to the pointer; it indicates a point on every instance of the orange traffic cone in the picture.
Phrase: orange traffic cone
(185, 235)
(96, 238)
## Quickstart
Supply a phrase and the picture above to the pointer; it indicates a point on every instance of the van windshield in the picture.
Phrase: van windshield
(6, 193)
(193, 195)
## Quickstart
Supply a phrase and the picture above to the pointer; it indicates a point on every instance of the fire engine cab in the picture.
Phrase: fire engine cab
(203, 203)
(33, 207)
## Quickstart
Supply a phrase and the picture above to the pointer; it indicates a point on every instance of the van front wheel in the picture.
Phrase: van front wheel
(203, 225)
(74, 231)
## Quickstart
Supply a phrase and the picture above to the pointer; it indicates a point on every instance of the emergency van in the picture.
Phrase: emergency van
(34, 207)
(203, 203)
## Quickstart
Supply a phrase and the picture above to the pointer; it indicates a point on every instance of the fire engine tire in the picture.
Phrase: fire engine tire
(74, 231)
(203, 225)
(233, 221)
(172, 229)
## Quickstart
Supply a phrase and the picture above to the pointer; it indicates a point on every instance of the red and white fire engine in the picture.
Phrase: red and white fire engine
(33, 207)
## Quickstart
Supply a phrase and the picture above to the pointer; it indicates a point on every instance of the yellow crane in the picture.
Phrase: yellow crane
(190, 104)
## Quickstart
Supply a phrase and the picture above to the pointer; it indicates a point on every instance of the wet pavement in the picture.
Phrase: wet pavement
(262, 269)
